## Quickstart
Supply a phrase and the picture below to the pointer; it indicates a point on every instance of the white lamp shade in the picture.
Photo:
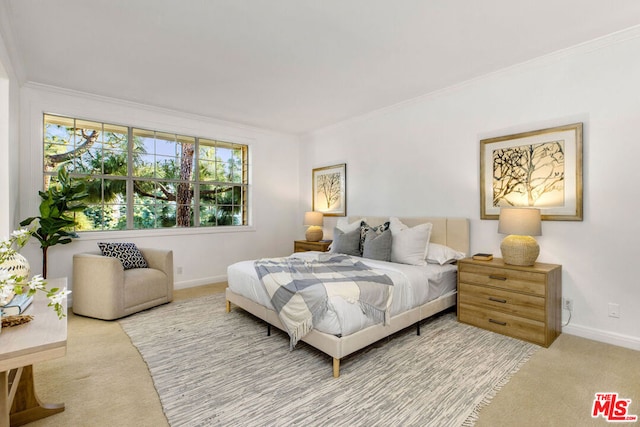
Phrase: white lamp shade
(313, 218)
(520, 221)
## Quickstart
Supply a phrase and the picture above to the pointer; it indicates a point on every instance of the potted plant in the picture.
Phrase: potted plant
(56, 221)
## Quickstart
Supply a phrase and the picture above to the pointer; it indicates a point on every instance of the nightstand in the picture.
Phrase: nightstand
(521, 302)
(304, 246)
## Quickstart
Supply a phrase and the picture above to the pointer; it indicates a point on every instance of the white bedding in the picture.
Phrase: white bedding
(413, 286)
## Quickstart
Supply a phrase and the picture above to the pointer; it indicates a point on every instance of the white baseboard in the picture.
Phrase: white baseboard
(199, 282)
(620, 340)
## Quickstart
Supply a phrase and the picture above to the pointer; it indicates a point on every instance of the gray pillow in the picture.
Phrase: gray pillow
(365, 228)
(346, 243)
(377, 246)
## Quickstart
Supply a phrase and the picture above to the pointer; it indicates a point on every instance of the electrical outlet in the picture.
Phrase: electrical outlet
(614, 310)
(179, 270)
(567, 304)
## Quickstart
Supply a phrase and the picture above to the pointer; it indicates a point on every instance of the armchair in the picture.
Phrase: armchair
(103, 289)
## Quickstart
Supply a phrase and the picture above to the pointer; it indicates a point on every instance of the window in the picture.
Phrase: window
(142, 179)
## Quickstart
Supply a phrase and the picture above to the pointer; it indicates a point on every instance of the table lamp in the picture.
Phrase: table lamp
(314, 221)
(519, 248)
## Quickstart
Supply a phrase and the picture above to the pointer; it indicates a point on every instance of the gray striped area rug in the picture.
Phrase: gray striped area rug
(216, 368)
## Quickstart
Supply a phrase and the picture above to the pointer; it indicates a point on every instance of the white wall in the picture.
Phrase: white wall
(203, 254)
(422, 158)
(9, 106)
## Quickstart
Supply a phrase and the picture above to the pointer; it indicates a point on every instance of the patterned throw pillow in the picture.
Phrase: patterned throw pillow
(365, 228)
(128, 254)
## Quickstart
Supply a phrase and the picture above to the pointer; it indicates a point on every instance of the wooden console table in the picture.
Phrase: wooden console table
(44, 338)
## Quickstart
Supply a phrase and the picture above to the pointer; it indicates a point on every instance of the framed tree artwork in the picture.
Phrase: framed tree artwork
(541, 169)
(328, 190)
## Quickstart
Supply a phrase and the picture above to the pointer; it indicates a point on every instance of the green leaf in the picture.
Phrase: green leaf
(27, 221)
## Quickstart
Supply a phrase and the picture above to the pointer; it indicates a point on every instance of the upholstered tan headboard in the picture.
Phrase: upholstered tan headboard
(453, 232)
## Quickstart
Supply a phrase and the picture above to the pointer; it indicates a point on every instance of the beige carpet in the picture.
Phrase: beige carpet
(104, 382)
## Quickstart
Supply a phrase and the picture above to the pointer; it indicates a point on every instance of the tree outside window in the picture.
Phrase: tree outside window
(141, 179)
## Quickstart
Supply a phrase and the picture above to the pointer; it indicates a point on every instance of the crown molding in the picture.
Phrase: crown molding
(151, 108)
(548, 59)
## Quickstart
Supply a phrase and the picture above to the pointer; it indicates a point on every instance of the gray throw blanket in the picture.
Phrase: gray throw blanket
(300, 289)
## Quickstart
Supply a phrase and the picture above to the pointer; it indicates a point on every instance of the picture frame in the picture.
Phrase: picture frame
(541, 169)
(329, 185)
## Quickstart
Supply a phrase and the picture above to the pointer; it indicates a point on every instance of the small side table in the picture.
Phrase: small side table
(44, 338)
(305, 246)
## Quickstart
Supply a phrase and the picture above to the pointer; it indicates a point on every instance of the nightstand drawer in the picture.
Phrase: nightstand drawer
(514, 303)
(512, 280)
(496, 321)
(305, 246)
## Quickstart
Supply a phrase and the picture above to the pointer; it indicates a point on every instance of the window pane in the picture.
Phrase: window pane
(114, 162)
(167, 167)
(103, 217)
(144, 216)
(88, 162)
(207, 171)
(223, 154)
(146, 199)
(165, 214)
(106, 208)
(223, 172)
(116, 138)
(237, 215)
(236, 173)
(208, 194)
(93, 218)
(225, 215)
(207, 215)
(143, 165)
(207, 149)
(186, 159)
(166, 144)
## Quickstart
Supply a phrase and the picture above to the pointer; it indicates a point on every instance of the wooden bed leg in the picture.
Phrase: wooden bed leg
(228, 306)
(268, 329)
(336, 367)
(418, 328)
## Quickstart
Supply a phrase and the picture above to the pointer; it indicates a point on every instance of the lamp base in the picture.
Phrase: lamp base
(519, 250)
(314, 233)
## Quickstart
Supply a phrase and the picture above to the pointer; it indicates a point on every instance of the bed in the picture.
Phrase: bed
(344, 329)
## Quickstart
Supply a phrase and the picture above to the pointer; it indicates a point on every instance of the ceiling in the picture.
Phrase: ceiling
(288, 65)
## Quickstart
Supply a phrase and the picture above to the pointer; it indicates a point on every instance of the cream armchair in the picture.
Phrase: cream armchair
(103, 289)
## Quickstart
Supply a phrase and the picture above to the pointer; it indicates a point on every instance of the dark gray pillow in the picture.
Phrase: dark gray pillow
(346, 243)
(377, 246)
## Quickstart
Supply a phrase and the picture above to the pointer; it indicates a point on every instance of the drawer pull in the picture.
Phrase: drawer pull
(502, 301)
(497, 277)
(497, 322)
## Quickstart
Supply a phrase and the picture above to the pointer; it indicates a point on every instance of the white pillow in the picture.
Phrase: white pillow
(441, 254)
(409, 245)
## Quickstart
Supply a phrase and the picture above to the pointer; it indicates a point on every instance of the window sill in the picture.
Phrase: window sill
(162, 232)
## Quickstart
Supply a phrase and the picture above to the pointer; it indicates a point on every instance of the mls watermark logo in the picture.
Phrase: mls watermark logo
(611, 408)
